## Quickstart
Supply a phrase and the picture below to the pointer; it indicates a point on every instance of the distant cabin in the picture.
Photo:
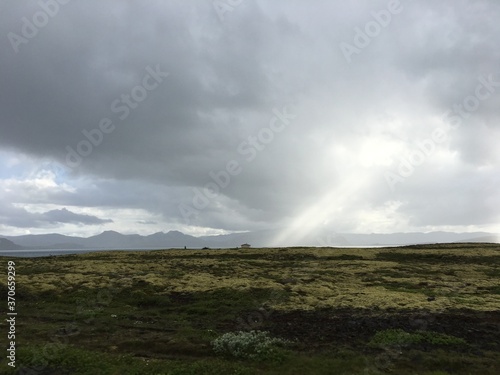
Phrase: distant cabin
(245, 246)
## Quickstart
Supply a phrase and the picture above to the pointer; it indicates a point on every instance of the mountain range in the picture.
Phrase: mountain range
(176, 239)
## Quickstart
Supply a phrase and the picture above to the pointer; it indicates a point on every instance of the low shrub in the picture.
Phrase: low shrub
(398, 337)
(255, 345)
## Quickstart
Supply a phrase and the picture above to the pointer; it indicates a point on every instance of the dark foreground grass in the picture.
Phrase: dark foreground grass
(70, 360)
(144, 327)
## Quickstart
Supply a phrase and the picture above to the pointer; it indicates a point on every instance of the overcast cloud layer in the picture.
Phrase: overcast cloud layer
(362, 116)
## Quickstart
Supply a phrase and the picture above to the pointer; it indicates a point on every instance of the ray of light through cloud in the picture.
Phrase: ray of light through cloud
(112, 116)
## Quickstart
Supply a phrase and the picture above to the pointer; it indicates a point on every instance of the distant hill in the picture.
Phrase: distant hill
(46, 241)
(415, 238)
(264, 238)
(488, 239)
(5, 244)
(110, 240)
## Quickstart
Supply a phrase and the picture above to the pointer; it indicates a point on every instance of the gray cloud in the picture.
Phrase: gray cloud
(65, 216)
(20, 217)
(354, 121)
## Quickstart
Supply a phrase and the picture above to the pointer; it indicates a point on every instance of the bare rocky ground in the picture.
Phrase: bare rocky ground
(354, 327)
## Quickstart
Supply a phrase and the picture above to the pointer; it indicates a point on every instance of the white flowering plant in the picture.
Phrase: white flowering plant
(255, 345)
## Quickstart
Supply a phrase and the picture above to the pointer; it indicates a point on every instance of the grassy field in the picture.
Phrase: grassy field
(432, 309)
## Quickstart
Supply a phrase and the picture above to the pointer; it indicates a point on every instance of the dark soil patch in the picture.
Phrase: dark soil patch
(314, 330)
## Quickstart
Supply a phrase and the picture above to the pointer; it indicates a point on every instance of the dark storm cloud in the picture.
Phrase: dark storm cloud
(218, 85)
(65, 216)
(20, 217)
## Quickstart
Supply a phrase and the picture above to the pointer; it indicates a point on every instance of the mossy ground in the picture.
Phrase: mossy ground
(156, 312)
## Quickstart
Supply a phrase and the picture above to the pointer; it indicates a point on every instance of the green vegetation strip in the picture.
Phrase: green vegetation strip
(400, 337)
(189, 312)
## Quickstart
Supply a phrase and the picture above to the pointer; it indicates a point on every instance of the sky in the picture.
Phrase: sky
(213, 117)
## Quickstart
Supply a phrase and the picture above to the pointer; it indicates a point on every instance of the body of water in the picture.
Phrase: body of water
(45, 253)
